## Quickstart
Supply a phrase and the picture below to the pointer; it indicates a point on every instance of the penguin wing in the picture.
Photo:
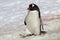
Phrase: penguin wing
(41, 23)
(39, 14)
(25, 22)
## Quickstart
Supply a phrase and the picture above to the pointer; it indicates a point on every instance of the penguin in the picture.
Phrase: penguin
(33, 20)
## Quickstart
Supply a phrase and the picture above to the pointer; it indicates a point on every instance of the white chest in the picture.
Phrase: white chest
(32, 15)
(33, 18)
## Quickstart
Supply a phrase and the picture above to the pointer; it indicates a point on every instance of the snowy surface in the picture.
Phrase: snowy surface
(13, 12)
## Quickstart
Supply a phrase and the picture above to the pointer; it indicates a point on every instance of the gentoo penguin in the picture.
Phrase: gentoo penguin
(33, 19)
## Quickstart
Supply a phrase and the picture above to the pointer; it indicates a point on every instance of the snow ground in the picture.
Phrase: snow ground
(13, 12)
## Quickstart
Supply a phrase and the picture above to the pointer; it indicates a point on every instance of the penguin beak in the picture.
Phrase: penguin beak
(28, 8)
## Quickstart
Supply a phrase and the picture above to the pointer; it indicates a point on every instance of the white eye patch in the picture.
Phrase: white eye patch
(32, 5)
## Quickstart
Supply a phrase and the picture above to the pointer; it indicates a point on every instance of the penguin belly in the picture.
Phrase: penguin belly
(33, 22)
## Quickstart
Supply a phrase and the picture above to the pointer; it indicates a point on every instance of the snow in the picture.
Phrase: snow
(52, 36)
(13, 12)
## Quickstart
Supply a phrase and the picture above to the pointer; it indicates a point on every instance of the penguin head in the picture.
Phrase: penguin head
(33, 7)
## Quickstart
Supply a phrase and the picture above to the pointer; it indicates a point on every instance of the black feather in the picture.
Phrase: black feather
(25, 22)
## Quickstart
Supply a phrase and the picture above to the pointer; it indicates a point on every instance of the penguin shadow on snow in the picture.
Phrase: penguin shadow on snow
(33, 21)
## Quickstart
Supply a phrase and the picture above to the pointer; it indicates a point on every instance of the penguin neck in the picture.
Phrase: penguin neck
(34, 11)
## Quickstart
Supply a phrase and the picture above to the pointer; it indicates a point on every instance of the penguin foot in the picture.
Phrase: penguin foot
(30, 34)
(23, 36)
(43, 32)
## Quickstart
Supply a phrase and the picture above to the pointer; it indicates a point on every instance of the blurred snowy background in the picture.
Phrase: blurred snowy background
(13, 12)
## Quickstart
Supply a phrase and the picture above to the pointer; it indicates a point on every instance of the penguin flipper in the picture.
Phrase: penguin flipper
(41, 23)
(25, 22)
